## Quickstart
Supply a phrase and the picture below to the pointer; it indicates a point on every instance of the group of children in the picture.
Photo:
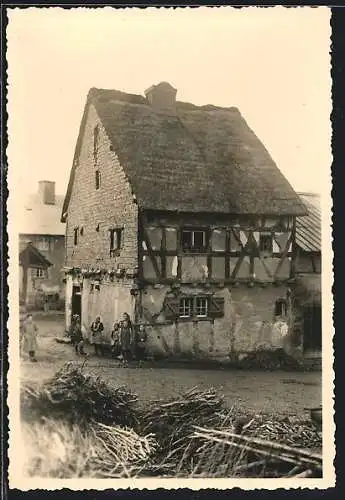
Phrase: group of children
(127, 341)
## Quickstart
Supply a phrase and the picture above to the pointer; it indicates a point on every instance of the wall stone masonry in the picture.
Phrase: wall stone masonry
(97, 210)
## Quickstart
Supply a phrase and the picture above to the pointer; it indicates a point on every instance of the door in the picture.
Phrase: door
(312, 328)
(76, 301)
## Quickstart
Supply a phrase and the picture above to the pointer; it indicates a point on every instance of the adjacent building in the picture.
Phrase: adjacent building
(178, 215)
(307, 300)
(42, 285)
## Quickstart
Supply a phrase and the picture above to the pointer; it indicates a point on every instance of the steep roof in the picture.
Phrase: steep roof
(200, 159)
(39, 218)
(30, 254)
(308, 229)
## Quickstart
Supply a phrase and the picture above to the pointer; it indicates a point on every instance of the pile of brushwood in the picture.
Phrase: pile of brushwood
(263, 359)
(78, 425)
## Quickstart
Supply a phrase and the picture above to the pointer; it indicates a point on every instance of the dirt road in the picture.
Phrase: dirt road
(280, 392)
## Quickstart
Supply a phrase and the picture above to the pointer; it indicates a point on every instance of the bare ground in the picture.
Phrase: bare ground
(279, 392)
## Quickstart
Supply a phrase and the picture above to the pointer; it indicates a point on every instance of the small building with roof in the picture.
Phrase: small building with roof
(40, 226)
(178, 215)
(307, 290)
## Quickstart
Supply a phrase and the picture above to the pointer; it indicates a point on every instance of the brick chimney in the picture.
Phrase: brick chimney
(46, 191)
(162, 98)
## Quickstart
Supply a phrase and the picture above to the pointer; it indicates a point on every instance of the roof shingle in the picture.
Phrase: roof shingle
(308, 229)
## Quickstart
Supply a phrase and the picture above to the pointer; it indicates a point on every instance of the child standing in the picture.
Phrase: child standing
(29, 337)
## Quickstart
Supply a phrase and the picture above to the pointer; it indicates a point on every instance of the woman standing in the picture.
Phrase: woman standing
(96, 331)
(126, 338)
(29, 339)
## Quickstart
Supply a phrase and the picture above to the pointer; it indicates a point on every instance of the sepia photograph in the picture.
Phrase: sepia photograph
(170, 248)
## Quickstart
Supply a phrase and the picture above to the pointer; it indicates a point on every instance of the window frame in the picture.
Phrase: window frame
(95, 143)
(195, 250)
(191, 307)
(283, 306)
(206, 306)
(97, 179)
(43, 244)
(40, 273)
(75, 236)
(118, 231)
(193, 300)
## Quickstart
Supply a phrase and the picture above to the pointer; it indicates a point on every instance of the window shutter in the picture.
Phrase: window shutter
(216, 309)
(171, 308)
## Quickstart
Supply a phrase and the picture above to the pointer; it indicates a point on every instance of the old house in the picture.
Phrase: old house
(307, 290)
(40, 224)
(177, 214)
(30, 259)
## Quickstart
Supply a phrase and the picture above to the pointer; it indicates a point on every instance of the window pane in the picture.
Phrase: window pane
(187, 240)
(201, 306)
(185, 308)
(199, 239)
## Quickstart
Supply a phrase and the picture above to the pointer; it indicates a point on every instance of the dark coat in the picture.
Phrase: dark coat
(126, 334)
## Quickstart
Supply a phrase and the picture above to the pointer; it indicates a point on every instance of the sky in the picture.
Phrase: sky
(272, 63)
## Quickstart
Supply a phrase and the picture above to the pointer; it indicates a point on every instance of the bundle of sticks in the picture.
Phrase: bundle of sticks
(57, 449)
(290, 430)
(80, 397)
(226, 453)
(172, 421)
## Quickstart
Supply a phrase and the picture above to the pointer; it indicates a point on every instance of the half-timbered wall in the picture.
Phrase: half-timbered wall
(190, 249)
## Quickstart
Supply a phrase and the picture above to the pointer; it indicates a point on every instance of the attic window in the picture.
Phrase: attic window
(115, 236)
(75, 235)
(98, 179)
(95, 143)
(266, 243)
(194, 240)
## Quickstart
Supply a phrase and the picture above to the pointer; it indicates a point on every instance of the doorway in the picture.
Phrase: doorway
(312, 327)
(76, 301)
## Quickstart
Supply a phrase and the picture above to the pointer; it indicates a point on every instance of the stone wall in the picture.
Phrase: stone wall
(248, 324)
(95, 211)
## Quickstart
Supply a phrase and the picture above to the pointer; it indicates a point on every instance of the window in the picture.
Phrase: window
(40, 273)
(98, 179)
(115, 240)
(266, 242)
(186, 308)
(201, 307)
(95, 143)
(43, 244)
(281, 307)
(75, 235)
(193, 240)
(193, 307)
